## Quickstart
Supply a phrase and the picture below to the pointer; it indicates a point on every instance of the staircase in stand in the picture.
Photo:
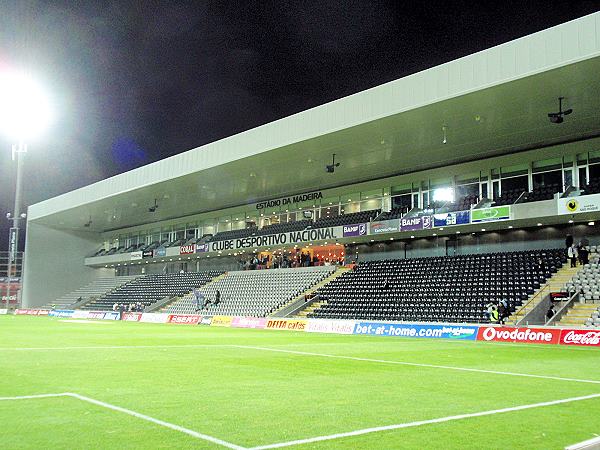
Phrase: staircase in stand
(187, 300)
(578, 314)
(312, 305)
(553, 284)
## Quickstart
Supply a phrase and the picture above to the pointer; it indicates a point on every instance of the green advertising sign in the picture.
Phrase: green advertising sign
(490, 214)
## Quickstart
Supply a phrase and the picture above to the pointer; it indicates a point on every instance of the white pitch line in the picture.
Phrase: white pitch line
(422, 422)
(405, 363)
(113, 347)
(138, 415)
(26, 397)
(172, 426)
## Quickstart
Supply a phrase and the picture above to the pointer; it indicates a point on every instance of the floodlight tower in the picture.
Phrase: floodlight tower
(24, 114)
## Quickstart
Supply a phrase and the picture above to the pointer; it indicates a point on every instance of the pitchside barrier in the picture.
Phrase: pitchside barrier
(490, 333)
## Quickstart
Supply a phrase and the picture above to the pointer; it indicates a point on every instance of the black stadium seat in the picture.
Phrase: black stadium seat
(448, 289)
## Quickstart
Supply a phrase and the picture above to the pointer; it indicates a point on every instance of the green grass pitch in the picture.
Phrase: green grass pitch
(211, 381)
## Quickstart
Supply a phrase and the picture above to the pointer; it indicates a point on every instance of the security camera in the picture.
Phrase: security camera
(559, 117)
(154, 207)
(330, 168)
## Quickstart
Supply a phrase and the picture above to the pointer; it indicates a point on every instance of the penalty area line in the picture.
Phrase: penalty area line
(423, 422)
(172, 426)
(413, 364)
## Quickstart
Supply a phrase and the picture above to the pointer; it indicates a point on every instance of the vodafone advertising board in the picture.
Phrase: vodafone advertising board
(588, 338)
(526, 335)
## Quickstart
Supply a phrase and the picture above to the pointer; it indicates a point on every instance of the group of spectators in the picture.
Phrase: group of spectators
(579, 252)
(283, 261)
(201, 302)
(498, 312)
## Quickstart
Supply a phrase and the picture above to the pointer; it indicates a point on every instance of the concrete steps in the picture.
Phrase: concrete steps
(578, 314)
(553, 284)
(187, 299)
(314, 305)
(311, 308)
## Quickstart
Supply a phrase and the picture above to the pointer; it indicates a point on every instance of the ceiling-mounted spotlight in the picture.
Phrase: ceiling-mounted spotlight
(559, 117)
(445, 137)
(154, 207)
(330, 168)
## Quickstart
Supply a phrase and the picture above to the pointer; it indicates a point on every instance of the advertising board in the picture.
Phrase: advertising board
(3, 311)
(206, 320)
(357, 229)
(160, 252)
(154, 318)
(526, 335)
(248, 322)
(185, 319)
(492, 214)
(32, 312)
(577, 205)
(459, 332)
(136, 255)
(415, 223)
(221, 321)
(95, 315)
(131, 317)
(385, 226)
(452, 218)
(187, 249)
(78, 314)
(61, 313)
(111, 316)
(586, 338)
(286, 324)
(330, 326)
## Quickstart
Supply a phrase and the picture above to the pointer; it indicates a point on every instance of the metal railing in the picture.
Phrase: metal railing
(563, 309)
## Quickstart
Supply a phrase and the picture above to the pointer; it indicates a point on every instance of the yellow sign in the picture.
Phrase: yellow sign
(286, 324)
(572, 205)
(221, 321)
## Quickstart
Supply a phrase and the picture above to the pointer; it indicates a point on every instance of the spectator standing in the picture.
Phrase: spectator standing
(584, 254)
(217, 297)
(550, 314)
(572, 254)
(494, 318)
(501, 312)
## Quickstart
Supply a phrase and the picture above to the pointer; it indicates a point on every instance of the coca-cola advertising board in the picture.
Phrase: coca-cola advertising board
(588, 338)
(525, 335)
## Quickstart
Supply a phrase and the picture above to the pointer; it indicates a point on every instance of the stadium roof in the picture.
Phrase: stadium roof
(494, 102)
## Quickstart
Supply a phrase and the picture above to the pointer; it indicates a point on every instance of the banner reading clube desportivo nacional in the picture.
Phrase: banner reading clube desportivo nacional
(293, 237)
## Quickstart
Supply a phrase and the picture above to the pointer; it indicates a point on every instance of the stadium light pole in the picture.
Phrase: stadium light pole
(24, 115)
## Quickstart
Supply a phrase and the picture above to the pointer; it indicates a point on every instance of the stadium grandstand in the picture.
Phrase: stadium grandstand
(455, 186)
(413, 266)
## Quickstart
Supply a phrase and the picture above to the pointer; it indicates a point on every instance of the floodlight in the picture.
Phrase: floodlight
(25, 111)
(443, 195)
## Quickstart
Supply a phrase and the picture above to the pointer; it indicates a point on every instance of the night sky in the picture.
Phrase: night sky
(136, 82)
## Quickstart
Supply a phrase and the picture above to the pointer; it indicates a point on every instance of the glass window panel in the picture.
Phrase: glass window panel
(511, 171)
(548, 179)
(594, 172)
(515, 183)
